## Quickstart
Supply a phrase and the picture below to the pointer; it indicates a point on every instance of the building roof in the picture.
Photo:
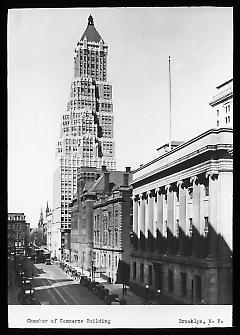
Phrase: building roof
(115, 181)
(225, 83)
(173, 144)
(91, 33)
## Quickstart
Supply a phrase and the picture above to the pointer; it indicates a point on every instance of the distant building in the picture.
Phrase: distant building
(18, 232)
(182, 222)
(42, 223)
(49, 228)
(101, 221)
(222, 104)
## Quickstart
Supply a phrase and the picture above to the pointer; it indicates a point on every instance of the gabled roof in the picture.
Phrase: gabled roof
(115, 181)
(91, 33)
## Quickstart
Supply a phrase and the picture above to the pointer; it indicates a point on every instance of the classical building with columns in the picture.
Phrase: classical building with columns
(182, 222)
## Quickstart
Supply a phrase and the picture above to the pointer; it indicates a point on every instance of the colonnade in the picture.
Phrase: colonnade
(190, 231)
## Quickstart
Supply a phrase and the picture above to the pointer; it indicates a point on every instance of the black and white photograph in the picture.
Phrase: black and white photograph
(120, 167)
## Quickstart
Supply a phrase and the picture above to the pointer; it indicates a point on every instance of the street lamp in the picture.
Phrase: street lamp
(146, 292)
(93, 267)
(159, 293)
(82, 261)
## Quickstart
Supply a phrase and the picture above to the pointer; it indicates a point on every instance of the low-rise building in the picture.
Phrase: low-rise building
(97, 244)
(112, 213)
(182, 222)
(18, 232)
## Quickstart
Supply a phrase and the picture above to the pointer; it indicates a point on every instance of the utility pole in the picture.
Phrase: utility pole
(170, 102)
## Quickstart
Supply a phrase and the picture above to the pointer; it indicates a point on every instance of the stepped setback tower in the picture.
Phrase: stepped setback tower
(86, 136)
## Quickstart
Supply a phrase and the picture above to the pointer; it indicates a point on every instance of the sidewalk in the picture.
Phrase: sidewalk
(13, 288)
(132, 298)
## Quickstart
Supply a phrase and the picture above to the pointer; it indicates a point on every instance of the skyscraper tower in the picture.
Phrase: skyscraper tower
(86, 136)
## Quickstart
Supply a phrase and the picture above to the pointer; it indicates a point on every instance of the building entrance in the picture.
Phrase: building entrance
(158, 276)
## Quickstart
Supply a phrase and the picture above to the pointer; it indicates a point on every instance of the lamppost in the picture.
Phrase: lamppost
(82, 261)
(93, 266)
(159, 294)
(146, 292)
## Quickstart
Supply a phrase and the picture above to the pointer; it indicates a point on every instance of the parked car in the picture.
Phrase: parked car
(110, 298)
(92, 284)
(28, 297)
(48, 261)
(98, 288)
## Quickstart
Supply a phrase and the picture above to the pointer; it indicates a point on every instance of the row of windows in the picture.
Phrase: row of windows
(16, 218)
(107, 238)
(104, 260)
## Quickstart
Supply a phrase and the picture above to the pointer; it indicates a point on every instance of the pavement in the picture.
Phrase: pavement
(13, 289)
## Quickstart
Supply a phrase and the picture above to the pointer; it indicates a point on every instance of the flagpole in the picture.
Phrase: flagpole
(170, 102)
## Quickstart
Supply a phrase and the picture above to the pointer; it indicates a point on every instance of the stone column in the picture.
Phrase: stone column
(160, 229)
(196, 220)
(155, 219)
(212, 216)
(150, 221)
(135, 222)
(201, 219)
(142, 222)
(170, 219)
(182, 216)
(146, 200)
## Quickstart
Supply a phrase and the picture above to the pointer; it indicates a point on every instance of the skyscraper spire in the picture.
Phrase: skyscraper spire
(90, 20)
(47, 208)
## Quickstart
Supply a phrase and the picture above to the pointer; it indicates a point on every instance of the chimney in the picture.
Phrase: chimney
(126, 176)
(106, 182)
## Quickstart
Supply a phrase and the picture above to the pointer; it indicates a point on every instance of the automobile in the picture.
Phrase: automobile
(110, 298)
(92, 285)
(28, 297)
(83, 280)
(97, 288)
(103, 293)
(48, 261)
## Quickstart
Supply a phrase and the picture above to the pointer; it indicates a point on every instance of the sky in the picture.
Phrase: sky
(41, 45)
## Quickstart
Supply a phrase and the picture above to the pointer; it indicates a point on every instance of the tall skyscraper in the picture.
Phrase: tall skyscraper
(86, 136)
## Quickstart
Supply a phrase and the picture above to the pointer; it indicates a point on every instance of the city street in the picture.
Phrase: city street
(54, 286)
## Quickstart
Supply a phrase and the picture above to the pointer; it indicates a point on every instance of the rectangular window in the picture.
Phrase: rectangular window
(183, 284)
(177, 228)
(141, 273)
(190, 192)
(229, 118)
(226, 119)
(206, 190)
(134, 270)
(217, 123)
(177, 195)
(206, 225)
(170, 281)
(150, 275)
(190, 226)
